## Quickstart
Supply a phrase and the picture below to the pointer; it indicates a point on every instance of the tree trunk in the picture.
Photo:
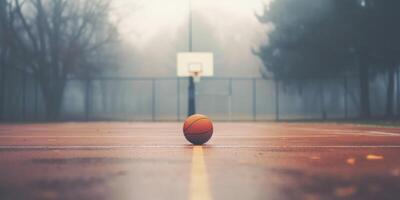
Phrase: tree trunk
(390, 92)
(3, 22)
(364, 90)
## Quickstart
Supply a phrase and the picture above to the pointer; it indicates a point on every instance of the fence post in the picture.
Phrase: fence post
(398, 91)
(254, 99)
(36, 85)
(87, 99)
(345, 98)
(2, 88)
(276, 99)
(153, 107)
(230, 99)
(323, 112)
(23, 96)
(178, 99)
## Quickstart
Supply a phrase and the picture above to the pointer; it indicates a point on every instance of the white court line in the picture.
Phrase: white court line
(348, 132)
(334, 131)
(157, 136)
(188, 146)
(384, 133)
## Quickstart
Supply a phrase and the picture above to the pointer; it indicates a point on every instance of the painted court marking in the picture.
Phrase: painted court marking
(44, 147)
(199, 187)
(157, 136)
(348, 132)
(332, 131)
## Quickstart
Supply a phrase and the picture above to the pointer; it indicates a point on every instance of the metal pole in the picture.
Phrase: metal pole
(190, 27)
(87, 99)
(2, 89)
(323, 112)
(191, 88)
(254, 100)
(192, 97)
(276, 100)
(230, 99)
(153, 107)
(23, 95)
(36, 99)
(345, 98)
(398, 91)
(178, 99)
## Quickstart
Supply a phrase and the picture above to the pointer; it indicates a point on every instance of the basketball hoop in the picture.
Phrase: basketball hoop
(195, 70)
(196, 77)
(195, 65)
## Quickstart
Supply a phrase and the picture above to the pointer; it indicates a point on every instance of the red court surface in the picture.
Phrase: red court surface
(241, 161)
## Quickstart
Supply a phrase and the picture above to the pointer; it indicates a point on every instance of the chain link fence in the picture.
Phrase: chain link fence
(165, 99)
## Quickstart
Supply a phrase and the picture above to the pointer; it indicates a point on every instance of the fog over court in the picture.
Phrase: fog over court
(124, 65)
(152, 31)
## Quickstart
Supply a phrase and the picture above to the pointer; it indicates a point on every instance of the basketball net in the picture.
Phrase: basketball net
(195, 70)
(196, 77)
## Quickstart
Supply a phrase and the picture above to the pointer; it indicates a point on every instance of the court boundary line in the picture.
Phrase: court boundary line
(156, 136)
(6, 147)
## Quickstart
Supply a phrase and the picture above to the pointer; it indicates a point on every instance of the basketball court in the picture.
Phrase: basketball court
(243, 160)
(123, 160)
(117, 132)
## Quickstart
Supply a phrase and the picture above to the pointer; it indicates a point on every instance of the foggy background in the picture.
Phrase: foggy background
(153, 31)
(274, 60)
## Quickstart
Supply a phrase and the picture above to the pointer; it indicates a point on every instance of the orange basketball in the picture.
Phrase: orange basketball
(198, 129)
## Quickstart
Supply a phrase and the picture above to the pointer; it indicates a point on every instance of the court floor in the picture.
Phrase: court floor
(101, 160)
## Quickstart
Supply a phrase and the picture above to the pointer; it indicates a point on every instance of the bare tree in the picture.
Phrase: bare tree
(6, 22)
(59, 39)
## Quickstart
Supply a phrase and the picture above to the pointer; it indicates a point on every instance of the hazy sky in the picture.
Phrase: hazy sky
(157, 29)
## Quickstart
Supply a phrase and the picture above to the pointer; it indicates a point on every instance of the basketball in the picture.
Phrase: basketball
(198, 129)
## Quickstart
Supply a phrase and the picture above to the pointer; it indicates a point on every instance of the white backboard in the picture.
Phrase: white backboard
(190, 62)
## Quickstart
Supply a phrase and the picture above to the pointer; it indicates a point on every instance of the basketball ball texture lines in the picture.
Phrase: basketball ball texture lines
(198, 129)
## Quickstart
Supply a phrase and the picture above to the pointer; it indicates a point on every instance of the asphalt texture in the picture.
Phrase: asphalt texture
(241, 161)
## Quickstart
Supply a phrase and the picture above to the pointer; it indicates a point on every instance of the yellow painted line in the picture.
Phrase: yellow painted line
(199, 188)
(374, 157)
